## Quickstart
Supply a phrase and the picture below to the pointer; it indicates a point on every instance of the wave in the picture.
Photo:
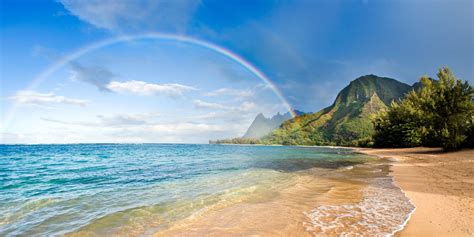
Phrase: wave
(383, 211)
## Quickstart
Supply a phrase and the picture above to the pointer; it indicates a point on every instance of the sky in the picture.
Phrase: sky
(186, 71)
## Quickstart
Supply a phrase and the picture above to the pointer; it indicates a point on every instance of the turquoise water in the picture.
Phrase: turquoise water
(139, 188)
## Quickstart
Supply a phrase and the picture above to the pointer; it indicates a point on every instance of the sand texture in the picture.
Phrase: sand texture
(441, 185)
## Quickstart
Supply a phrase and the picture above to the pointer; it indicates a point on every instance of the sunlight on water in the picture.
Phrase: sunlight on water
(138, 189)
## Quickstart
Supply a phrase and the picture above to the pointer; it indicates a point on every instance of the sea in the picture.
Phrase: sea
(196, 190)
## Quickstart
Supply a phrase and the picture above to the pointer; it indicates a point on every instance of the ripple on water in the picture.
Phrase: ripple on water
(71, 187)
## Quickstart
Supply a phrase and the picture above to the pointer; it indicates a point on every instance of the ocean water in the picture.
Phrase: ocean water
(147, 189)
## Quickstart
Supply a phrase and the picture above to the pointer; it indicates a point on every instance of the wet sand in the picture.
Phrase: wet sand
(281, 215)
(441, 185)
(333, 195)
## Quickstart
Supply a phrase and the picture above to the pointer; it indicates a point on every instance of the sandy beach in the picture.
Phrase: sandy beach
(280, 215)
(441, 185)
(312, 202)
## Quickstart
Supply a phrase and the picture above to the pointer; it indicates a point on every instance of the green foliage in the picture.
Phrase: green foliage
(369, 112)
(239, 140)
(347, 122)
(439, 113)
(356, 132)
(399, 126)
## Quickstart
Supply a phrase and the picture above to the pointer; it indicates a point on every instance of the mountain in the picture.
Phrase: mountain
(262, 126)
(347, 122)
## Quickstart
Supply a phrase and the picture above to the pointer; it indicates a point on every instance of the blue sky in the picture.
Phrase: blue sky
(154, 90)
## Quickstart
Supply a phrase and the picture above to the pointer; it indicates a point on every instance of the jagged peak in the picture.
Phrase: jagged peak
(261, 125)
(278, 116)
(260, 116)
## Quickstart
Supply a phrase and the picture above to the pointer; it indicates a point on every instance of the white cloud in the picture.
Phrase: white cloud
(139, 123)
(263, 86)
(101, 77)
(246, 106)
(228, 117)
(188, 128)
(176, 132)
(209, 105)
(231, 92)
(36, 98)
(130, 15)
(145, 88)
(121, 120)
(216, 115)
(33, 137)
(118, 120)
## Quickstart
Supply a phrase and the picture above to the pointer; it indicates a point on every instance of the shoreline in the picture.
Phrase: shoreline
(279, 145)
(348, 195)
(440, 185)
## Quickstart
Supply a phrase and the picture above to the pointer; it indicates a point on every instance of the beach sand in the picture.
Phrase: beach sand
(441, 185)
(279, 216)
(333, 195)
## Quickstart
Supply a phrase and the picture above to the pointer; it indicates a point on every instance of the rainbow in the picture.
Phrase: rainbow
(160, 36)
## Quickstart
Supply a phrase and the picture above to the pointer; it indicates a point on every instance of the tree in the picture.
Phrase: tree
(402, 125)
(452, 108)
(439, 113)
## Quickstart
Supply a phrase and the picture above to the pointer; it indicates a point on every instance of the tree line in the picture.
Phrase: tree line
(435, 113)
(439, 113)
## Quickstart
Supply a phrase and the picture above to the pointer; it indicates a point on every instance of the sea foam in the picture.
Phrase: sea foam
(383, 211)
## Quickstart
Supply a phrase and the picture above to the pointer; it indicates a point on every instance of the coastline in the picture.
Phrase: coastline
(311, 204)
(341, 193)
(440, 185)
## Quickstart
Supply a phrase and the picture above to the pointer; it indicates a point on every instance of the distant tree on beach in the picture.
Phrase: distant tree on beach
(239, 140)
(438, 113)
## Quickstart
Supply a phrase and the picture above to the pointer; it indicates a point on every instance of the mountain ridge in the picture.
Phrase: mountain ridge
(345, 122)
(262, 126)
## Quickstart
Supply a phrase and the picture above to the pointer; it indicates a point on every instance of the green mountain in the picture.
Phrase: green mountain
(262, 126)
(347, 122)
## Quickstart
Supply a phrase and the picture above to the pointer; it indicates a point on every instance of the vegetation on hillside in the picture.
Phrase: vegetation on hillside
(238, 140)
(348, 121)
(383, 112)
(439, 113)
